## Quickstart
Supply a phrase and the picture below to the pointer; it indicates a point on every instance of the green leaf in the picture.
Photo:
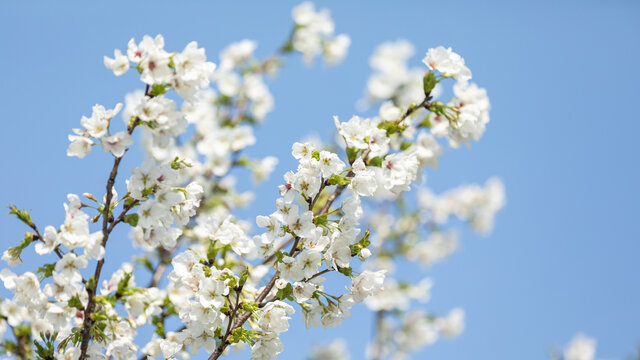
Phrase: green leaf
(288, 47)
(243, 161)
(75, 302)
(315, 155)
(426, 123)
(148, 191)
(158, 322)
(429, 82)
(47, 349)
(177, 164)
(320, 220)
(347, 271)
(159, 89)
(365, 239)
(363, 243)
(223, 99)
(28, 239)
(449, 112)
(123, 284)
(128, 201)
(376, 161)
(22, 215)
(242, 335)
(207, 271)
(405, 145)
(336, 179)
(212, 252)
(243, 277)
(46, 270)
(285, 293)
(91, 284)
(279, 255)
(250, 307)
(131, 219)
(352, 154)
(392, 127)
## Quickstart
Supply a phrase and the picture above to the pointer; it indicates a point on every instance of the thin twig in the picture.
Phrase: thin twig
(122, 215)
(244, 317)
(282, 246)
(377, 325)
(340, 188)
(318, 274)
(21, 344)
(106, 230)
(164, 258)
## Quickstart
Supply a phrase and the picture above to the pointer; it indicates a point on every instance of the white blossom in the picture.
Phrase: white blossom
(117, 144)
(119, 64)
(448, 63)
(366, 284)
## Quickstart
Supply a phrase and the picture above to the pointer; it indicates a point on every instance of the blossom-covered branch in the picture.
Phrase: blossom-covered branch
(229, 286)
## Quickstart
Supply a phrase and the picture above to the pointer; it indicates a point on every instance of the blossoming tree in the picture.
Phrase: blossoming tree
(347, 209)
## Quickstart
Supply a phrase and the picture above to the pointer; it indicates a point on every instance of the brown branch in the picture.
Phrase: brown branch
(106, 230)
(243, 318)
(376, 328)
(424, 104)
(164, 257)
(122, 215)
(282, 246)
(21, 344)
(292, 252)
(340, 188)
(231, 317)
(318, 274)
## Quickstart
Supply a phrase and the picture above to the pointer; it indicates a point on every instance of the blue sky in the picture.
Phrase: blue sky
(563, 80)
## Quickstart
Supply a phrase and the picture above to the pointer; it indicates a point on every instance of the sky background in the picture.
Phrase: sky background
(563, 81)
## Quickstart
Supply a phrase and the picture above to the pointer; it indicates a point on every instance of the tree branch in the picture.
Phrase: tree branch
(106, 230)
(165, 256)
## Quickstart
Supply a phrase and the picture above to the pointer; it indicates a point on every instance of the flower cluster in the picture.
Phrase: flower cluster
(164, 203)
(70, 310)
(419, 235)
(185, 71)
(313, 35)
(448, 63)
(228, 286)
(413, 331)
(461, 119)
(97, 127)
(475, 204)
(392, 78)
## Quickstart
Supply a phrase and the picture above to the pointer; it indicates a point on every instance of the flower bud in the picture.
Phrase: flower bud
(90, 196)
(364, 254)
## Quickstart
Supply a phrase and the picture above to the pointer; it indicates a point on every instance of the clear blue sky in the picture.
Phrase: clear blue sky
(563, 80)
